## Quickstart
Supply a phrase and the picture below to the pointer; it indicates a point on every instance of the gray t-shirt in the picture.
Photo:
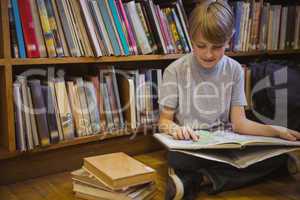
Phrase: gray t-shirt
(201, 96)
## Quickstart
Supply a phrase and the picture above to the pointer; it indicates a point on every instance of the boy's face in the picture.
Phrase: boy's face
(208, 54)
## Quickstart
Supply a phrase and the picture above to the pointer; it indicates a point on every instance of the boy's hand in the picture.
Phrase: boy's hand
(184, 133)
(287, 134)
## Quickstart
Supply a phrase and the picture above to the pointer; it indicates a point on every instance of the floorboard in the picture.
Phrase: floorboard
(59, 186)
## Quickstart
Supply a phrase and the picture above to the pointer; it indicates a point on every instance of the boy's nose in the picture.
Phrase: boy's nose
(208, 55)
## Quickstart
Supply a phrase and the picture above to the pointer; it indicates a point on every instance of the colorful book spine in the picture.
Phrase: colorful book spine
(64, 16)
(38, 29)
(19, 118)
(107, 107)
(127, 25)
(90, 26)
(173, 29)
(142, 40)
(64, 108)
(92, 106)
(162, 28)
(117, 21)
(100, 30)
(99, 98)
(51, 119)
(39, 106)
(112, 98)
(145, 26)
(76, 109)
(109, 28)
(60, 29)
(114, 26)
(19, 31)
(26, 110)
(84, 106)
(48, 35)
(54, 29)
(183, 22)
(183, 39)
(56, 110)
(13, 34)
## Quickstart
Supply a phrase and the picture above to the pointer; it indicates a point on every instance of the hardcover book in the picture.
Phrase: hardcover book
(118, 170)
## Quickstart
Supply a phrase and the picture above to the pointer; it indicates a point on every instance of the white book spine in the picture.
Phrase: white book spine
(90, 26)
(138, 28)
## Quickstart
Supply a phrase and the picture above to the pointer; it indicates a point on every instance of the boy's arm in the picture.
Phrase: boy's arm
(243, 125)
(167, 125)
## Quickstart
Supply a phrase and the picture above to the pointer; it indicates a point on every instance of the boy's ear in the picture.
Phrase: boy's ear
(227, 45)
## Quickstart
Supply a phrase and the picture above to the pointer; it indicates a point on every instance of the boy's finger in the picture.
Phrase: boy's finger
(295, 133)
(186, 134)
(289, 136)
(174, 135)
(180, 134)
(194, 136)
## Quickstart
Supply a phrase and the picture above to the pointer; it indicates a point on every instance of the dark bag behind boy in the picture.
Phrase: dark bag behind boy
(279, 81)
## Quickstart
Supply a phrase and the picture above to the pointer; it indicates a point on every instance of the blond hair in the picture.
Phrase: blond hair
(213, 19)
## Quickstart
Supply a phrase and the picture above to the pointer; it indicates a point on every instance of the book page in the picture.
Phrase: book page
(221, 140)
(207, 140)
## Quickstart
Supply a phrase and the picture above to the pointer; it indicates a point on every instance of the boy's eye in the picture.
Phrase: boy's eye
(218, 46)
(200, 46)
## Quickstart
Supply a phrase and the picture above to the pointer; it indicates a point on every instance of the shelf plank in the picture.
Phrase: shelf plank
(104, 59)
(4, 154)
(136, 58)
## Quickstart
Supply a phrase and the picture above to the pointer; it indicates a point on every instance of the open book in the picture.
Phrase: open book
(221, 140)
(228, 147)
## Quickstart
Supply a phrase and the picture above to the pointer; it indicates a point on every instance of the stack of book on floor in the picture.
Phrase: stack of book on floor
(114, 176)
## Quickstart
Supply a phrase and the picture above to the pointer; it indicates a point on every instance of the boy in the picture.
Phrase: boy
(203, 89)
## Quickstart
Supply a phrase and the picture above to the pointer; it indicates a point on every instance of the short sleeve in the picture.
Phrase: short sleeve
(238, 97)
(168, 95)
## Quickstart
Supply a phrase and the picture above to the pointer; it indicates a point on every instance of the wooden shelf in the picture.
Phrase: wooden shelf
(4, 154)
(104, 59)
(137, 58)
(262, 53)
(2, 62)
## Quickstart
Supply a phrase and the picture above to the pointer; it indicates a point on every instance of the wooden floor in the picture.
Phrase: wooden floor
(59, 186)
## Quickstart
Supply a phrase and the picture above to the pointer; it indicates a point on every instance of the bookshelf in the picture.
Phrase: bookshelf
(10, 66)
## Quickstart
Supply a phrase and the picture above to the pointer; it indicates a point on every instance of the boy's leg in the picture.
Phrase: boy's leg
(228, 177)
(224, 176)
(293, 162)
(184, 181)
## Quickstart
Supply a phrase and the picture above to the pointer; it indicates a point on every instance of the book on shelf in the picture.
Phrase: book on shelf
(79, 84)
(40, 111)
(118, 170)
(263, 25)
(222, 140)
(94, 28)
(51, 118)
(19, 123)
(64, 108)
(92, 106)
(76, 109)
(61, 109)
